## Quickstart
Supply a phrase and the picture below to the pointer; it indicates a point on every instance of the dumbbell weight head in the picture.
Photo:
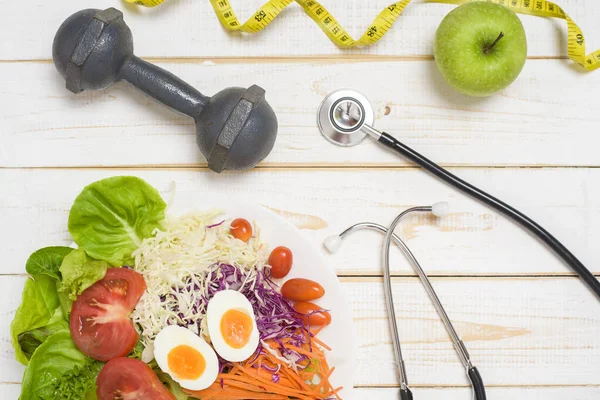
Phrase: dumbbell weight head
(235, 129)
(90, 48)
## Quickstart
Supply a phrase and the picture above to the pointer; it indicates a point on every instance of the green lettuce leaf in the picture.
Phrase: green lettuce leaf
(137, 350)
(29, 341)
(58, 370)
(65, 302)
(38, 306)
(173, 386)
(79, 272)
(47, 261)
(110, 218)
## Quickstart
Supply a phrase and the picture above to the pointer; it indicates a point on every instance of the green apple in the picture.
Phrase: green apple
(480, 48)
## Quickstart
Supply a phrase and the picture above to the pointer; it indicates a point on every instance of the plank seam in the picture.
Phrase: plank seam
(497, 386)
(324, 59)
(316, 166)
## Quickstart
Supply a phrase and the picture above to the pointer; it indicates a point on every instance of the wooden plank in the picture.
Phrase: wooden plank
(11, 391)
(548, 117)
(542, 328)
(190, 28)
(520, 332)
(541, 393)
(473, 240)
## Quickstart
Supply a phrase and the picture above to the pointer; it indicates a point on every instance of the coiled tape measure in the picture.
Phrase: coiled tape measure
(386, 18)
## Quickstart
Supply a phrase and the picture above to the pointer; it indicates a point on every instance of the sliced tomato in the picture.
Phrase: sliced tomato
(100, 323)
(127, 378)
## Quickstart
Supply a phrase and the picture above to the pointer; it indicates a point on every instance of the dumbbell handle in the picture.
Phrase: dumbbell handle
(163, 86)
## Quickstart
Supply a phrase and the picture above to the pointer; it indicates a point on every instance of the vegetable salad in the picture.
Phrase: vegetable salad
(154, 306)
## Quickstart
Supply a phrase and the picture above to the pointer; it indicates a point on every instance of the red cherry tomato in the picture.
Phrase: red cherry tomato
(299, 289)
(312, 314)
(241, 229)
(127, 378)
(100, 323)
(280, 260)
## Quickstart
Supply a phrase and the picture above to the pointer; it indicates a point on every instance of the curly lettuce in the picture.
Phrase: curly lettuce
(58, 370)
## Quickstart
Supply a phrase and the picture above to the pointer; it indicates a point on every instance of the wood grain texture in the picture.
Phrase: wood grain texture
(190, 28)
(472, 240)
(555, 393)
(518, 331)
(548, 117)
(11, 391)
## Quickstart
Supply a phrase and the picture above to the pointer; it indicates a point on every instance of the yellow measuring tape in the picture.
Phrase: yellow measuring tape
(386, 18)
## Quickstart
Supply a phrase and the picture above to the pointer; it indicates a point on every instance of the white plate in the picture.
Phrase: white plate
(309, 264)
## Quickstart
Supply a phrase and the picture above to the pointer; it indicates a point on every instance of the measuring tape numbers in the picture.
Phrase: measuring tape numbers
(323, 18)
(386, 18)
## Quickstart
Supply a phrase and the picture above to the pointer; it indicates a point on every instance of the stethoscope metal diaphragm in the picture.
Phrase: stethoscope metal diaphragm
(342, 116)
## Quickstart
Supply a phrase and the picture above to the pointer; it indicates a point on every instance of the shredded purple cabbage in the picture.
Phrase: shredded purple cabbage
(276, 318)
(215, 225)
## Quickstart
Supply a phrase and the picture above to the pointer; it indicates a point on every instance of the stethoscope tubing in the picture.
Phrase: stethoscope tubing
(389, 237)
(405, 392)
(461, 350)
(588, 278)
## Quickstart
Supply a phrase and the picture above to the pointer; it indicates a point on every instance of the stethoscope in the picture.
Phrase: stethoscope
(346, 117)
(333, 243)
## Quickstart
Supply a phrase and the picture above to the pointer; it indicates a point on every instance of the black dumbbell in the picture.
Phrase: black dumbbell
(235, 129)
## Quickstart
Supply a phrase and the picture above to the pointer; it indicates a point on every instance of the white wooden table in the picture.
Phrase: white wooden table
(532, 328)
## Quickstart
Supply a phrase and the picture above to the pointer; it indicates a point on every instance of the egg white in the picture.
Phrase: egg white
(173, 336)
(222, 302)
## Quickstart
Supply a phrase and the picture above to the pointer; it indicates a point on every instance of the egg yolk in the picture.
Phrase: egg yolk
(186, 362)
(236, 327)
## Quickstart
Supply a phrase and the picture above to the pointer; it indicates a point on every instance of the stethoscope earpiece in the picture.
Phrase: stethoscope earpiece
(333, 243)
(441, 209)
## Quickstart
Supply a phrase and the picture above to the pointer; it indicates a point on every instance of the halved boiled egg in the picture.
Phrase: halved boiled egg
(186, 357)
(232, 325)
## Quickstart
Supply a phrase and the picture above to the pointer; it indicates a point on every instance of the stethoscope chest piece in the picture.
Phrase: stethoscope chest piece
(342, 116)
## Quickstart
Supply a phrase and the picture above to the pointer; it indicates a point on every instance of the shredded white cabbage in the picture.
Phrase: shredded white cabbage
(178, 258)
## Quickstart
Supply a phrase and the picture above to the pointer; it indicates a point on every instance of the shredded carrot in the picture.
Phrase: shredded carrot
(306, 352)
(253, 379)
(291, 374)
(325, 379)
(320, 343)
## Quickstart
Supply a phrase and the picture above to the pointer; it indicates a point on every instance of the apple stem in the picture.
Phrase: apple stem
(490, 47)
